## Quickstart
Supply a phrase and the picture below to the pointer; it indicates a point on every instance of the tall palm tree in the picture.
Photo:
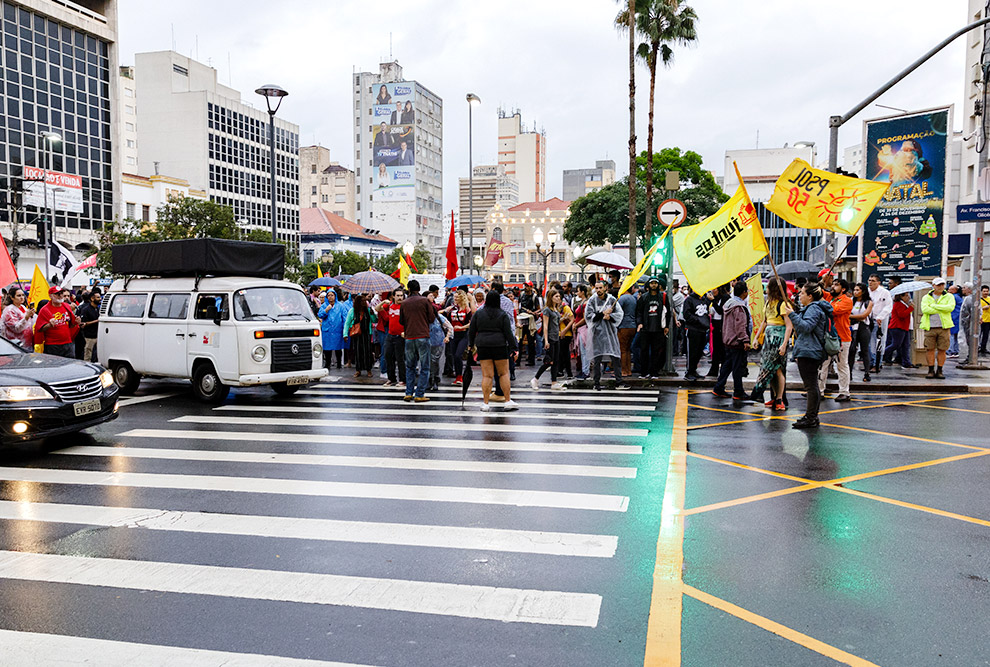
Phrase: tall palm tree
(661, 23)
(630, 12)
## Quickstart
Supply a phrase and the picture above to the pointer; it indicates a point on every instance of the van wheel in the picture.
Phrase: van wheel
(207, 385)
(283, 389)
(125, 377)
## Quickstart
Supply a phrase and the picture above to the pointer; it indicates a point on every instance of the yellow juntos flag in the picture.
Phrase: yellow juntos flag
(640, 268)
(721, 247)
(816, 199)
(39, 288)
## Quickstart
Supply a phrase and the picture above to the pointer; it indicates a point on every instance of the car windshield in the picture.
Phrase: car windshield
(6, 347)
(271, 303)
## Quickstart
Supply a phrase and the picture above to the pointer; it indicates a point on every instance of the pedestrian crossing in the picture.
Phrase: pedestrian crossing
(343, 514)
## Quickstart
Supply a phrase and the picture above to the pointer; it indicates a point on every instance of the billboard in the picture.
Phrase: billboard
(393, 140)
(64, 190)
(904, 234)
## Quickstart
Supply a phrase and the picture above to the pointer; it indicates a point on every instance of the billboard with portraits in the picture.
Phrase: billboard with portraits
(393, 142)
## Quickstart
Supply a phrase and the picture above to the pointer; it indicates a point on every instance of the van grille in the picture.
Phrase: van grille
(71, 391)
(292, 355)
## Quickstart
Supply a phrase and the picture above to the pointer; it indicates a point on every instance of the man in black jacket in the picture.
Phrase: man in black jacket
(651, 323)
(697, 324)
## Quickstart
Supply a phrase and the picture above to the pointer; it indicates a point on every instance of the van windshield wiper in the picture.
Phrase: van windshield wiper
(253, 315)
(281, 315)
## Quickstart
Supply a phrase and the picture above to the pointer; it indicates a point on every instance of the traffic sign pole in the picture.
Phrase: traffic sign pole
(670, 213)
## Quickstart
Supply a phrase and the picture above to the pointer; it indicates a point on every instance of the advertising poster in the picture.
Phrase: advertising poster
(64, 190)
(393, 138)
(904, 234)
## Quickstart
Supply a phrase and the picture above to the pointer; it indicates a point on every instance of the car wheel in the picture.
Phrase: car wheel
(125, 377)
(207, 385)
(283, 389)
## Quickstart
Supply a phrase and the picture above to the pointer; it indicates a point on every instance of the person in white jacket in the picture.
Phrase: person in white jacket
(883, 306)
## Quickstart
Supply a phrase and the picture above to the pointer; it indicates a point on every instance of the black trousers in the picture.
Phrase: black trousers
(652, 352)
(395, 357)
(718, 349)
(550, 353)
(695, 348)
(735, 364)
(529, 333)
(808, 368)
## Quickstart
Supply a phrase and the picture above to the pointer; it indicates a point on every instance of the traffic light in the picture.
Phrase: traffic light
(660, 256)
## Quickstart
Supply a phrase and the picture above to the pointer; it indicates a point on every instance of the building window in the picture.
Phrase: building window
(323, 181)
(516, 235)
(340, 213)
(326, 199)
(308, 256)
(129, 126)
(128, 92)
(130, 210)
(340, 199)
(146, 213)
(179, 69)
(534, 257)
(130, 143)
(313, 190)
(128, 109)
(312, 168)
(497, 233)
(131, 161)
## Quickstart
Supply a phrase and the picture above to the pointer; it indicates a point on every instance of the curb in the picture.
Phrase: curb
(707, 383)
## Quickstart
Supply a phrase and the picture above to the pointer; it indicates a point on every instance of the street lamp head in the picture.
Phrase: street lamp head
(477, 261)
(552, 236)
(473, 99)
(538, 236)
(270, 91)
(408, 247)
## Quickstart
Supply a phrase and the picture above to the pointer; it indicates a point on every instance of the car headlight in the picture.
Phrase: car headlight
(106, 379)
(24, 394)
(259, 353)
(317, 350)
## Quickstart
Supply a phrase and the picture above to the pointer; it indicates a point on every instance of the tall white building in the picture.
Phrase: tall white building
(191, 126)
(398, 157)
(490, 186)
(523, 153)
(969, 162)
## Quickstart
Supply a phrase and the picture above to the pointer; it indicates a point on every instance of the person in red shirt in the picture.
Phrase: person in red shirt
(899, 331)
(395, 344)
(841, 307)
(57, 326)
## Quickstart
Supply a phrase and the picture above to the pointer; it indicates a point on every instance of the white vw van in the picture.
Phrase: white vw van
(220, 332)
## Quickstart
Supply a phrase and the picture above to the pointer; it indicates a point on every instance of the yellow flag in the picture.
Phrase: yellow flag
(641, 267)
(319, 270)
(39, 288)
(816, 199)
(721, 247)
(404, 271)
(757, 303)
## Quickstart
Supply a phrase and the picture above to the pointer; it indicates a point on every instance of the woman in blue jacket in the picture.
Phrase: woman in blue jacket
(809, 325)
(332, 315)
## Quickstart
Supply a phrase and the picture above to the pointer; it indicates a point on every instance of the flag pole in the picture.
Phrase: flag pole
(773, 266)
(844, 248)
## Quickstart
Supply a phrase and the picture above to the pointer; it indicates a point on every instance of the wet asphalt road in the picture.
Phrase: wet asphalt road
(340, 525)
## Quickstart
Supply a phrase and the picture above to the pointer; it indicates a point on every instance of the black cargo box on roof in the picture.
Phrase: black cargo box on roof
(200, 257)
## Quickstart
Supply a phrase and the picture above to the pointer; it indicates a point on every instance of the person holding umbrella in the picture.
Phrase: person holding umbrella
(357, 328)
(332, 315)
(491, 333)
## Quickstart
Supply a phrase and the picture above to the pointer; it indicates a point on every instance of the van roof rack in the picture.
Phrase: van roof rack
(198, 258)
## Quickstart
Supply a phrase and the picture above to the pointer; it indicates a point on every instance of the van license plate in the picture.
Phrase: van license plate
(297, 380)
(87, 407)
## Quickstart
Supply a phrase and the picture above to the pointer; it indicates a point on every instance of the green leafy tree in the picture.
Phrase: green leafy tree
(420, 257)
(348, 262)
(600, 217)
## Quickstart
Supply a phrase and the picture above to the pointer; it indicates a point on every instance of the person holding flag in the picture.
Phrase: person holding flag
(17, 321)
(57, 325)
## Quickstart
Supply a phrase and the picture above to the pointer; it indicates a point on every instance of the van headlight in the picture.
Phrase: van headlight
(34, 393)
(259, 353)
(106, 379)
(317, 350)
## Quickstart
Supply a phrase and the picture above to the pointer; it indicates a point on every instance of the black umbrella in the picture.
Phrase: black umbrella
(796, 269)
(467, 376)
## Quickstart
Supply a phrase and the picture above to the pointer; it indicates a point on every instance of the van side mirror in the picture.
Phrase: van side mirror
(220, 315)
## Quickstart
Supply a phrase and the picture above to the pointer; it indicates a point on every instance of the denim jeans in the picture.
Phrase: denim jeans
(380, 337)
(417, 353)
(436, 352)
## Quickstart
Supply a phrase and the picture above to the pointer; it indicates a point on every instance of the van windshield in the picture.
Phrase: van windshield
(271, 303)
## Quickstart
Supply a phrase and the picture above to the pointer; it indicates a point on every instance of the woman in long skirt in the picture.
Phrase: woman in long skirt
(363, 318)
(776, 333)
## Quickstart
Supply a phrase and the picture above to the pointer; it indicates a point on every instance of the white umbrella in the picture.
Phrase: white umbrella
(911, 286)
(612, 260)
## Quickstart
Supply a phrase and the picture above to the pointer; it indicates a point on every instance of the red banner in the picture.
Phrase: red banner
(495, 251)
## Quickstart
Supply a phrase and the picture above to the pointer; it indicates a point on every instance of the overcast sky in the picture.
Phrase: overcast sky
(777, 68)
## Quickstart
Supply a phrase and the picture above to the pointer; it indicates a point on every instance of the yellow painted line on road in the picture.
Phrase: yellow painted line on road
(731, 412)
(663, 632)
(946, 407)
(906, 437)
(738, 421)
(905, 468)
(912, 506)
(790, 634)
(746, 467)
(751, 499)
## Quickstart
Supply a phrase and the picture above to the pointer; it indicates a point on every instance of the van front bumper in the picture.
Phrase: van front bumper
(272, 378)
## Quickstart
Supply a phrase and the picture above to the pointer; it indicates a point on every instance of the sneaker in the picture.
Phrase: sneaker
(485, 407)
(582, 376)
(802, 423)
(621, 386)
(742, 399)
(535, 384)
(843, 398)
(512, 377)
(558, 386)
(407, 398)
(421, 399)
(866, 378)
(388, 383)
(768, 404)
(598, 387)
(692, 376)
(458, 381)
(778, 406)
(510, 405)
(721, 394)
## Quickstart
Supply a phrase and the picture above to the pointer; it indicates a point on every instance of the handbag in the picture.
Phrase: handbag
(354, 330)
(832, 342)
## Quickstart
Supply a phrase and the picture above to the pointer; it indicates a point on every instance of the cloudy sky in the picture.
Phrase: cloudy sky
(776, 69)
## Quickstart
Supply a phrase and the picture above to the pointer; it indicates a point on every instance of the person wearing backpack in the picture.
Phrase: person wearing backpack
(810, 325)
(841, 307)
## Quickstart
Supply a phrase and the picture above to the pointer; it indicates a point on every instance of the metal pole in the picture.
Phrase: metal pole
(668, 364)
(271, 142)
(470, 181)
(46, 232)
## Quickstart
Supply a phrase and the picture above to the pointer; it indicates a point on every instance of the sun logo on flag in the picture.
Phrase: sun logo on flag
(746, 213)
(842, 207)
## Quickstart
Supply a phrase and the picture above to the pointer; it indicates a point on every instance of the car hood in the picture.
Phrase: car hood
(21, 369)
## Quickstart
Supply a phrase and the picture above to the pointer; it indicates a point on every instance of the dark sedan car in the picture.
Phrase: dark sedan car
(42, 395)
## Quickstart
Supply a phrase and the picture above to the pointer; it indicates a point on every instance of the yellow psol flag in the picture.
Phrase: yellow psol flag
(39, 288)
(721, 247)
(816, 199)
(404, 271)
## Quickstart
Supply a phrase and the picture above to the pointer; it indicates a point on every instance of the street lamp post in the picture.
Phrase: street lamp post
(472, 101)
(270, 91)
(538, 239)
(47, 138)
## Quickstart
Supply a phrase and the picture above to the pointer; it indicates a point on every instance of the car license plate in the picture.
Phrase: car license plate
(297, 380)
(87, 407)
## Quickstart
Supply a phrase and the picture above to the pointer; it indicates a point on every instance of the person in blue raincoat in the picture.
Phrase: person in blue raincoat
(332, 315)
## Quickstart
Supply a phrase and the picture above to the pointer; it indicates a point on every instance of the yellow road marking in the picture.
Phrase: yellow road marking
(746, 467)
(732, 412)
(946, 407)
(772, 626)
(738, 421)
(904, 468)
(906, 437)
(663, 632)
(751, 499)
(920, 508)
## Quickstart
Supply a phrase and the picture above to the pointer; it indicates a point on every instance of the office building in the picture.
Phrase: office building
(191, 126)
(490, 186)
(127, 152)
(325, 184)
(59, 65)
(142, 195)
(323, 232)
(398, 157)
(579, 182)
(523, 153)
(970, 165)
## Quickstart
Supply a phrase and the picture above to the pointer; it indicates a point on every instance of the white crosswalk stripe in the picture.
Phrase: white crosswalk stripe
(542, 487)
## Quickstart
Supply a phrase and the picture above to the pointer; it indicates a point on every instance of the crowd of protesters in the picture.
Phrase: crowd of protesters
(65, 324)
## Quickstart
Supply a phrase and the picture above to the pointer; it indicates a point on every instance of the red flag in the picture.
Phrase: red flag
(8, 274)
(452, 267)
(411, 264)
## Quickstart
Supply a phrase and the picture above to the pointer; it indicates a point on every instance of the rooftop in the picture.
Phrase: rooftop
(321, 221)
(552, 204)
